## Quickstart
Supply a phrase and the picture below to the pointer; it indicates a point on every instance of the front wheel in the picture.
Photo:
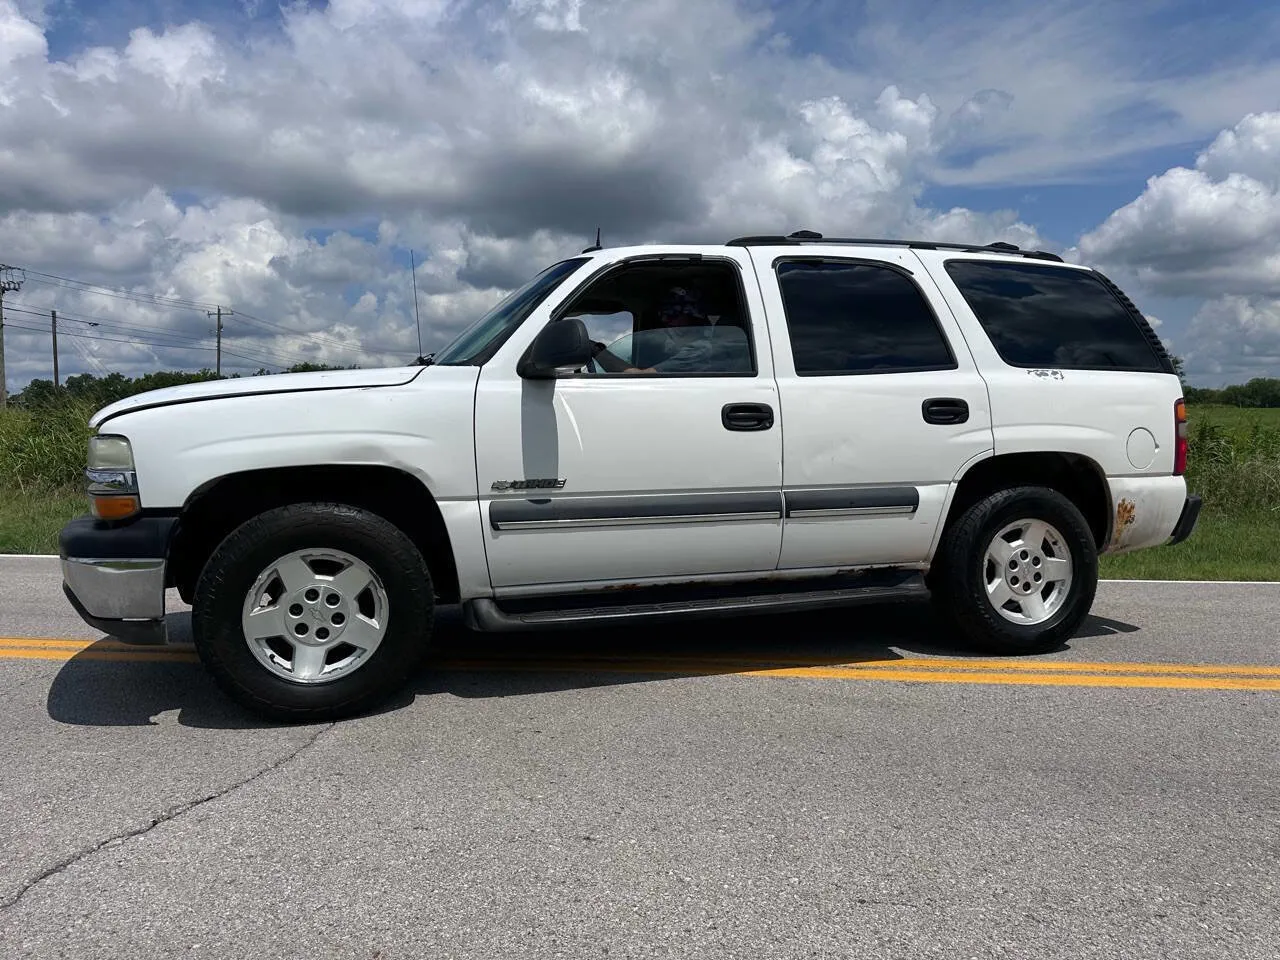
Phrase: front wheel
(1017, 572)
(313, 612)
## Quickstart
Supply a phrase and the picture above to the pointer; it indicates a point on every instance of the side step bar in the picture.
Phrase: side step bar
(490, 616)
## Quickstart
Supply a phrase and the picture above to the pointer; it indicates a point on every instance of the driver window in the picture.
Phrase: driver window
(667, 318)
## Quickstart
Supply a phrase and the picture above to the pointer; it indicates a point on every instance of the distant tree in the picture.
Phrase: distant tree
(1263, 392)
(313, 368)
(37, 395)
(1202, 395)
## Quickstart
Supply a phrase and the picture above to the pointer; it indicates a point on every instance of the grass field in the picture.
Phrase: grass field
(30, 521)
(1222, 548)
(1235, 466)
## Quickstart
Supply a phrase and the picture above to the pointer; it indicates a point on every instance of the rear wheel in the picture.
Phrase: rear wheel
(313, 612)
(1017, 572)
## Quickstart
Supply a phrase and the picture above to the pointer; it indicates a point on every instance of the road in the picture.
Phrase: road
(827, 786)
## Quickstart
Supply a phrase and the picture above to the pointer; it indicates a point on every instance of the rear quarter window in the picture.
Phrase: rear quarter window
(1042, 316)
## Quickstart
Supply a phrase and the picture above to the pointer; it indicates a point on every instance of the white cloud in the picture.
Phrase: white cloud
(1251, 148)
(286, 175)
(1212, 233)
(1235, 337)
(1212, 230)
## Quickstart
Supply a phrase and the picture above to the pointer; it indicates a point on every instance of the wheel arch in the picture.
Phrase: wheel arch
(1077, 477)
(217, 507)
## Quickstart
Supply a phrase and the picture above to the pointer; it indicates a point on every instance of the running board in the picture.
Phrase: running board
(495, 616)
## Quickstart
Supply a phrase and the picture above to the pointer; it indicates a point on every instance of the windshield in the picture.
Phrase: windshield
(480, 340)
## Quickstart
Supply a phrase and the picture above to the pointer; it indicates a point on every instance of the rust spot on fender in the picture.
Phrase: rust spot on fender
(1126, 514)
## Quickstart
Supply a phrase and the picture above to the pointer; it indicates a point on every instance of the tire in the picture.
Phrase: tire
(965, 571)
(373, 640)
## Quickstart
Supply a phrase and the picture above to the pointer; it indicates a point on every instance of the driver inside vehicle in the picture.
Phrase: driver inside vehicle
(683, 339)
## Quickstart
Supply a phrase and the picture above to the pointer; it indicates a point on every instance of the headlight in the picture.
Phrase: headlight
(112, 482)
(110, 453)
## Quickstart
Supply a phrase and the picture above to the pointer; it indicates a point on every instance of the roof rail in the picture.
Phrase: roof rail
(809, 236)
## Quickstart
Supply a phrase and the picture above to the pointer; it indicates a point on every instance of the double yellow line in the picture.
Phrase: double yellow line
(48, 648)
(1015, 672)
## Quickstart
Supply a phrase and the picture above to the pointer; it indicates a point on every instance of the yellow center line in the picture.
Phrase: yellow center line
(1185, 676)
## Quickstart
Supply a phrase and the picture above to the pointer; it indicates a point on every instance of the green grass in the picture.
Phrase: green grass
(29, 522)
(1221, 548)
(1237, 420)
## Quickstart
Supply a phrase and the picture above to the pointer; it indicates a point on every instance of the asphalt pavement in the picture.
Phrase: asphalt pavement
(839, 785)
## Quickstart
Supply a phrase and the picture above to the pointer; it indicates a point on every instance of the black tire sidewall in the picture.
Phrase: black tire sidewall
(963, 592)
(241, 558)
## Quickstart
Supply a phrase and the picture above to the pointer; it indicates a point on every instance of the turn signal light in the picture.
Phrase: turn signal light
(114, 508)
(1180, 438)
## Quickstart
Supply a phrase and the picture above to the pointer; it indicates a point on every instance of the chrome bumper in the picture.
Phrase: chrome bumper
(115, 577)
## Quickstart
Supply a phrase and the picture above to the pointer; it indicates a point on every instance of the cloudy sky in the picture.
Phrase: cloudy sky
(283, 159)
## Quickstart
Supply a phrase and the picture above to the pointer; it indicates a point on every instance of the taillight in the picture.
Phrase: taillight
(1180, 438)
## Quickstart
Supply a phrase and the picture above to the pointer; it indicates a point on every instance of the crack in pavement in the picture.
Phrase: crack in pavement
(168, 816)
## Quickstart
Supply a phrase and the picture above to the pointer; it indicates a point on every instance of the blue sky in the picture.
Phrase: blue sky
(285, 159)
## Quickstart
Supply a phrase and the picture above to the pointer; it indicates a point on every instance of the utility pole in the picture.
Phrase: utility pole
(10, 282)
(56, 381)
(218, 313)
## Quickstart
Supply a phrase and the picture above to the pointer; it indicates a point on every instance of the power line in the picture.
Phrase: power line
(136, 341)
(52, 279)
(181, 340)
(272, 359)
(91, 318)
(71, 284)
(123, 327)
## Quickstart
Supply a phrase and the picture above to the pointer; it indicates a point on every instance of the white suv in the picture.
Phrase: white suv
(774, 424)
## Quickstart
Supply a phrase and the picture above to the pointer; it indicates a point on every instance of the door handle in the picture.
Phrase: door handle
(945, 410)
(747, 416)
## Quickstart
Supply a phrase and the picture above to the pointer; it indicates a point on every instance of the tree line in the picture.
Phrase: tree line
(1258, 392)
(100, 391)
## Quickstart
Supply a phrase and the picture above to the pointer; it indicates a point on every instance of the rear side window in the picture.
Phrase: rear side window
(1039, 316)
(849, 317)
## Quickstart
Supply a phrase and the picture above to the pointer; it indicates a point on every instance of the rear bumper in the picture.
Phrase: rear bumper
(114, 577)
(1146, 511)
(1187, 520)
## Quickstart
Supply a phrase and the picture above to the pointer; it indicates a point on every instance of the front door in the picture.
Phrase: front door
(662, 460)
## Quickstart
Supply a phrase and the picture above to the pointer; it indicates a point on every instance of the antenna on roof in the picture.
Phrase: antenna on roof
(597, 244)
(413, 270)
(417, 319)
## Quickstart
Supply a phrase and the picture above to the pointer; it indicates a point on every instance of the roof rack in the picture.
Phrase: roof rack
(809, 236)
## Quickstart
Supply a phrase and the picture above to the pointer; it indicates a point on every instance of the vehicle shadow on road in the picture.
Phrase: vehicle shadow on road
(92, 691)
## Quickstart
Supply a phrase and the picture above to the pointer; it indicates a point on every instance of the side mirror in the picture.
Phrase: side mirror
(561, 344)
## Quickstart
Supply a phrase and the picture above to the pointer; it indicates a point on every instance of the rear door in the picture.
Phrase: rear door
(883, 406)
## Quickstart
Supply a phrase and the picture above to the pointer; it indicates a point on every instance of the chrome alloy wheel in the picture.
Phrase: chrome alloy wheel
(1027, 572)
(315, 615)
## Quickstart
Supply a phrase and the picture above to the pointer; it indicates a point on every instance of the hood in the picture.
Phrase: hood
(255, 386)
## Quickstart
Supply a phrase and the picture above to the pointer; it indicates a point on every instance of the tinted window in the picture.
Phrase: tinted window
(858, 318)
(480, 340)
(1038, 316)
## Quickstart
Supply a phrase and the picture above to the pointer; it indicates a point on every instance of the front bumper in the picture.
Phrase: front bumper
(114, 576)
